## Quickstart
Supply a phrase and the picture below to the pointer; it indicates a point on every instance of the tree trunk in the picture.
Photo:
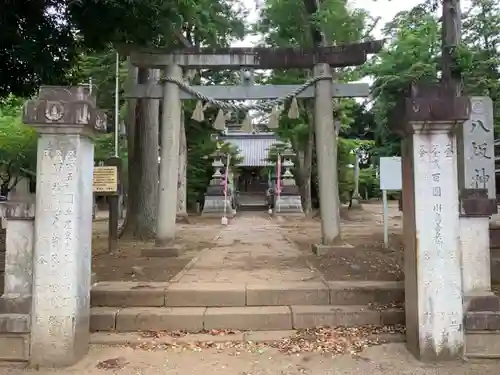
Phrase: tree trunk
(143, 164)
(4, 189)
(182, 185)
(305, 159)
(307, 168)
(129, 187)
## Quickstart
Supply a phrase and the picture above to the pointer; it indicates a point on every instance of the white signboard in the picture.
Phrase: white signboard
(390, 173)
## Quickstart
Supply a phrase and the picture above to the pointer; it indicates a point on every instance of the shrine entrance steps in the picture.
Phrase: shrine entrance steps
(254, 279)
(197, 307)
(252, 202)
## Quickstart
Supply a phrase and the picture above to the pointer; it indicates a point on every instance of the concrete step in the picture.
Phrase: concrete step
(135, 294)
(249, 318)
(482, 344)
(253, 207)
(136, 339)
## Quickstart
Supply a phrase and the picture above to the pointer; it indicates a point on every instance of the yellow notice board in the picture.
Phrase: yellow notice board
(105, 179)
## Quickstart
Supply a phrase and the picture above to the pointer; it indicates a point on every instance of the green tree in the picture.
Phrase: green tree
(480, 57)
(41, 40)
(340, 24)
(17, 145)
(36, 47)
(411, 55)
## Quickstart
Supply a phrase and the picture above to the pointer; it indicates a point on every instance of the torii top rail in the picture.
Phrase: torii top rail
(261, 58)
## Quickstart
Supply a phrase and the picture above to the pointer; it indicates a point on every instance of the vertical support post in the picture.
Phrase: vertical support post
(385, 209)
(326, 149)
(66, 119)
(169, 163)
(113, 202)
(113, 223)
(117, 104)
(182, 215)
(356, 173)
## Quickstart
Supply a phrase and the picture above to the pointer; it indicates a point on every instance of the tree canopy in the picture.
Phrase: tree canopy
(42, 40)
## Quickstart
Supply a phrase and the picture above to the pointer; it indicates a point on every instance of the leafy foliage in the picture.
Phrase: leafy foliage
(341, 24)
(17, 145)
(413, 54)
(36, 46)
(42, 40)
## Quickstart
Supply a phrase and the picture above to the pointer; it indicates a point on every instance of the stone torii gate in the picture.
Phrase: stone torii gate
(172, 91)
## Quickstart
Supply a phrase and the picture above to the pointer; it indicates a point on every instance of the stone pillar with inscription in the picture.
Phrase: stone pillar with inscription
(476, 179)
(66, 119)
(433, 282)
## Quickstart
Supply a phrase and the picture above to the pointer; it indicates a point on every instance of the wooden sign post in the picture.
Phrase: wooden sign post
(107, 183)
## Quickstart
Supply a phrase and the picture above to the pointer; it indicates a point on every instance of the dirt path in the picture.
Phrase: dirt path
(363, 229)
(390, 359)
(129, 265)
(251, 248)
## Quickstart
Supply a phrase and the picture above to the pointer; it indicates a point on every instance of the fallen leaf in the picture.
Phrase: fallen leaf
(112, 364)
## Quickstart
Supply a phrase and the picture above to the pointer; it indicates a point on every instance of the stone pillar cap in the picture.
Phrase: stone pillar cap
(63, 109)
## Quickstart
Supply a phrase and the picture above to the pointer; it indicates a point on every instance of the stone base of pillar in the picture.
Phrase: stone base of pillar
(182, 218)
(217, 206)
(289, 202)
(15, 305)
(355, 203)
(319, 249)
(169, 251)
(482, 312)
(18, 220)
(15, 338)
(288, 205)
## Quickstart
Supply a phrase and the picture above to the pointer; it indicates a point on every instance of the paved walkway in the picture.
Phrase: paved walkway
(250, 249)
(382, 360)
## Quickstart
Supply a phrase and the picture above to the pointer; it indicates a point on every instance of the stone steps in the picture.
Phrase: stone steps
(135, 294)
(135, 306)
(257, 207)
(248, 318)
(136, 339)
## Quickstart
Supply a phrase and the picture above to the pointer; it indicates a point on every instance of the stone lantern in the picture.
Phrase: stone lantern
(288, 200)
(218, 204)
